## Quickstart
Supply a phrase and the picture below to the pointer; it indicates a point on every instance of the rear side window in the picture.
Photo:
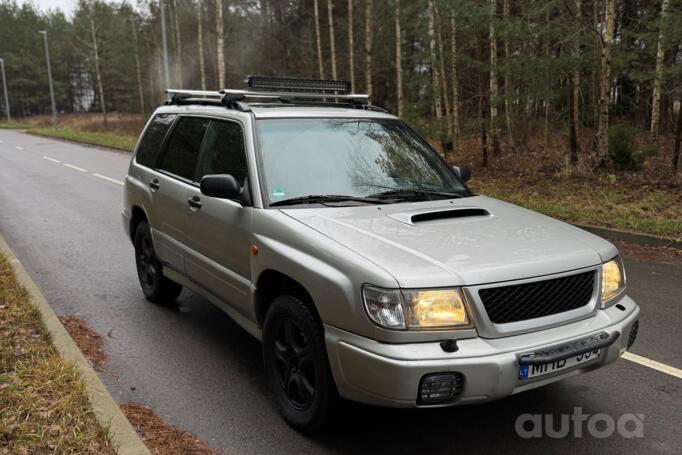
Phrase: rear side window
(183, 148)
(151, 142)
(223, 151)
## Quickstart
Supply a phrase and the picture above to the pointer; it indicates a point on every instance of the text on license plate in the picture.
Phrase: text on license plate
(531, 371)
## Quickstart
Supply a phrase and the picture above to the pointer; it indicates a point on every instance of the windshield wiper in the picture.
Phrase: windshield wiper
(323, 198)
(412, 193)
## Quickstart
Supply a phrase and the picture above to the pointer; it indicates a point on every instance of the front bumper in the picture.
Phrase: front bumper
(389, 374)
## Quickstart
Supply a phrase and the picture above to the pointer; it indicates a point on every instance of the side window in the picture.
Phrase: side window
(183, 148)
(223, 151)
(151, 142)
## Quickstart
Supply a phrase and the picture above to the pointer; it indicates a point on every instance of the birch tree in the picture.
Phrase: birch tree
(138, 70)
(398, 60)
(574, 95)
(351, 45)
(98, 73)
(178, 45)
(435, 76)
(455, 80)
(318, 38)
(330, 16)
(605, 82)
(369, 37)
(447, 143)
(220, 44)
(200, 44)
(656, 95)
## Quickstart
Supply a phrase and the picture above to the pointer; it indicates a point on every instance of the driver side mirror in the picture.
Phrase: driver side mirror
(222, 186)
(463, 172)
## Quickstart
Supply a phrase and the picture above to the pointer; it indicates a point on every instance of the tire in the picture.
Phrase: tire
(155, 286)
(297, 365)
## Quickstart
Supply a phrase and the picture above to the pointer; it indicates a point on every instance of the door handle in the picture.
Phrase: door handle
(154, 184)
(194, 202)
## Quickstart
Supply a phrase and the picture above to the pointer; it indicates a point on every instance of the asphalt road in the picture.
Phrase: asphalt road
(198, 370)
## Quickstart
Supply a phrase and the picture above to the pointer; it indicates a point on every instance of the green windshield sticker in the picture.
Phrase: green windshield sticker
(278, 192)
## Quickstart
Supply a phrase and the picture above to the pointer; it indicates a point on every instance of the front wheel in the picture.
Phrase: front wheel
(155, 286)
(297, 366)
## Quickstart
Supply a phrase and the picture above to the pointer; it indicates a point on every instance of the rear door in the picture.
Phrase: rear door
(175, 175)
(219, 231)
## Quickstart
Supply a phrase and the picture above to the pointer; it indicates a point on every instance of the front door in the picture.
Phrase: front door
(219, 231)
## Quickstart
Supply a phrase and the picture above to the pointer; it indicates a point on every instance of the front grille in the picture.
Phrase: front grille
(541, 298)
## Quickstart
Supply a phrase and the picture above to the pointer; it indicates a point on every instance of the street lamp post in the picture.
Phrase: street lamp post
(49, 76)
(4, 88)
(166, 71)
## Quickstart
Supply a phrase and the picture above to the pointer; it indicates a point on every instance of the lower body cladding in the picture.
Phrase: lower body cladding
(405, 375)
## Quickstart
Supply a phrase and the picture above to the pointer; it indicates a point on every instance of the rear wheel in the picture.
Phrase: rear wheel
(155, 286)
(297, 366)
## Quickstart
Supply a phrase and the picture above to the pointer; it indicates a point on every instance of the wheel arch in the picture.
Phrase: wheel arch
(272, 283)
(137, 215)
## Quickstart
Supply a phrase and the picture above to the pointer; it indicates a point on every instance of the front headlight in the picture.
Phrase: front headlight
(416, 309)
(612, 280)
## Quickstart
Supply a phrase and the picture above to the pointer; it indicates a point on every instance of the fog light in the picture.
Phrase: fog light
(440, 388)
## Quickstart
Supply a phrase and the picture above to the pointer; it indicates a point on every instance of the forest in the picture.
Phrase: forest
(504, 71)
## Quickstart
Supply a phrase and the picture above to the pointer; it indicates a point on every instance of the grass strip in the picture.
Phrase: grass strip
(44, 406)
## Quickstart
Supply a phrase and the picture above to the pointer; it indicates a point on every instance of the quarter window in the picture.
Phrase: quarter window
(223, 151)
(183, 149)
(151, 142)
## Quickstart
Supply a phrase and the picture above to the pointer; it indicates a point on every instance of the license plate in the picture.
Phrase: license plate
(532, 371)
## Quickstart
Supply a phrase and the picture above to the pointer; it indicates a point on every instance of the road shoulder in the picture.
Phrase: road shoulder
(121, 432)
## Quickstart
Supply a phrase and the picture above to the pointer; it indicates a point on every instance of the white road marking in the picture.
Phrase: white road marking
(19, 147)
(51, 159)
(75, 167)
(108, 179)
(662, 367)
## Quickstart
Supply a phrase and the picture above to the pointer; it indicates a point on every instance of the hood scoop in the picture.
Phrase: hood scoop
(421, 216)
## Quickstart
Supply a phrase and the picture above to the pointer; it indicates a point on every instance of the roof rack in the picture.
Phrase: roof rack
(284, 90)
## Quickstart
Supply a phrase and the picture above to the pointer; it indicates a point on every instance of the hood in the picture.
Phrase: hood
(468, 241)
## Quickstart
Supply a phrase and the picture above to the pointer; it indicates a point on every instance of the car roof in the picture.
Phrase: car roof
(272, 110)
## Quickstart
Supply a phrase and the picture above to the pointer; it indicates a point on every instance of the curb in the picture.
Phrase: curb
(121, 432)
(629, 236)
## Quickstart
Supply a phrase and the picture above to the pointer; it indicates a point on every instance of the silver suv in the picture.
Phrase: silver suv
(336, 235)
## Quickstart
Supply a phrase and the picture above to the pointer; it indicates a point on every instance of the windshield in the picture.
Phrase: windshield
(352, 158)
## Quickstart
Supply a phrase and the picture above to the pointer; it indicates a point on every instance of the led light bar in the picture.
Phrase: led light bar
(285, 84)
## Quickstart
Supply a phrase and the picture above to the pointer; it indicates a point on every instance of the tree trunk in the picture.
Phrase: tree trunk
(481, 109)
(547, 89)
(494, 140)
(575, 76)
(200, 42)
(138, 70)
(178, 45)
(369, 37)
(98, 74)
(605, 83)
(398, 59)
(455, 82)
(351, 44)
(220, 44)
(573, 139)
(678, 139)
(507, 80)
(318, 39)
(435, 77)
(447, 139)
(656, 96)
(330, 16)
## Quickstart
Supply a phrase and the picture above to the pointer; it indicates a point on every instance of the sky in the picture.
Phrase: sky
(65, 5)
